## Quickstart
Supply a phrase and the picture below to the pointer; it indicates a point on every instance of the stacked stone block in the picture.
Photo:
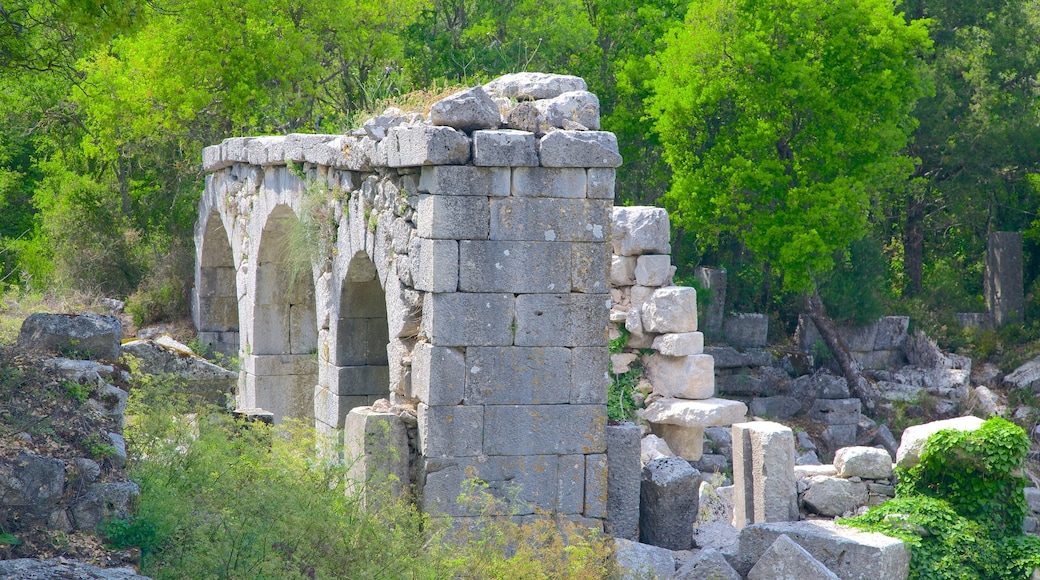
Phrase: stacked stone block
(462, 273)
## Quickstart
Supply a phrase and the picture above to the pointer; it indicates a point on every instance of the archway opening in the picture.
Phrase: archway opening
(216, 306)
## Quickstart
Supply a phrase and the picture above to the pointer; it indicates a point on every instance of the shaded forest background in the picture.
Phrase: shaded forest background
(105, 108)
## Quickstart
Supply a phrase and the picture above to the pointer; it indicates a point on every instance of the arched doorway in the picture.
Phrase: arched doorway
(216, 290)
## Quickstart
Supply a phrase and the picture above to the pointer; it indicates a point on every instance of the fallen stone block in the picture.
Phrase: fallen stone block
(466, 111)
(836, 411)
(529, 86)
(786, 560)
(779, 407)
(570, 108)
(865, 462)
(671, 309)
(709, 563)
(914, 438)
(668, 503)
(653, 447)
(638, 561)
(687, 413)
(746, 330)
(763, 473)
(640, 230)
(91, 336)
(834, 496)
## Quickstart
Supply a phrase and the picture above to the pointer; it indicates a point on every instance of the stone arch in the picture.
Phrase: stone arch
(216, 291)
(281, 361)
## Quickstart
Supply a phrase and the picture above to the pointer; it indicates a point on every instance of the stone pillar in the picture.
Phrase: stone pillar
(623, 476)
(376, 447)
(764, 488)
(1003, 283)
(713, 280)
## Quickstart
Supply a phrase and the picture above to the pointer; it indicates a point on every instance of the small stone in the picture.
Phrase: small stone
(866, 462)
(466, 111)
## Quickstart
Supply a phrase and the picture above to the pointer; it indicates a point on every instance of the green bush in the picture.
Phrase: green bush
(960, 510)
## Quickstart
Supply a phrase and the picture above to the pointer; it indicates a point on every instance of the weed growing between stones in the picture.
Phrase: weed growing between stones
(960, 510)
(621, 403)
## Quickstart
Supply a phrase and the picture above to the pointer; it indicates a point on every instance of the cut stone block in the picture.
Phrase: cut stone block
(550, 219)
(579, 149)
(671, 309)
(669, 496)
(865, 462)
(685, 442)
(836, 411)
(834, 496)
(653, 270)
(519, 267)
(640, 230)
(746, 330)
(623, 480)
(687, 413)
(505, 148)
(680, 344)
(600, 183)
(462, 319)
(838, 436)
(1004, 288)
(513, 375)
(455, 431)
(466, 110)
(713, 281)
(524, 483)
(589, 379)
(636, 561)
(566, 109)
(623, 270)
(438, 374)
(464, 180)
(529, 86)
(544, 429)
(686, 377)
(709, 564)
(595, 486)
(763, 474)
(562, 319)
(786, 560)
(850, 554)
(779, 407)
(914, 437)
(588, 268)
(438, 266)
(547, 182)
(86, 335)
(376, 445)
(416, 145)
(449, 217)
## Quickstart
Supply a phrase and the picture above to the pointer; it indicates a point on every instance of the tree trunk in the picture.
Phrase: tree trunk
(913, 247)
(861, 387)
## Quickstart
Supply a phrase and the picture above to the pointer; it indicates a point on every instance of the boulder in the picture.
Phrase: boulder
(1026, 376)
(709, 563)
(166, 356)
(89, 336)
(62, 569)
(31, 484)
(668, 501)
(466, 110)
(570, 108)
(637, 561)
(786, 560)
(529, 86)
(834, 496)
(104, 501)
(914, 438)
(865, 462)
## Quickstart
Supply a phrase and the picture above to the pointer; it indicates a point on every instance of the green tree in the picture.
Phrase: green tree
(781, 120)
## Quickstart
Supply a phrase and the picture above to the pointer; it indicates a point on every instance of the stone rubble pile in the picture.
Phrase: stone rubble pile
(858, 477)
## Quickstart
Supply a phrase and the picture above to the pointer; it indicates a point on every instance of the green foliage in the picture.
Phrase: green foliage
(961, 508)
(782, 122)
(621, 405)
(76, 391)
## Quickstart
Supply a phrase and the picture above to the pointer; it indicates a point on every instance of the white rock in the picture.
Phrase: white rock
(680, 344)
(466, 110)
(671, 309)
(687, 413)
(652, 447)
(528, 86)
(834, 496)
(686, 377)
(865, 462)
(581, 107)
(640, 230)
(914, 438)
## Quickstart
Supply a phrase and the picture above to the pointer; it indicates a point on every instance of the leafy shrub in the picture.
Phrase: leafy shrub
(960, 510)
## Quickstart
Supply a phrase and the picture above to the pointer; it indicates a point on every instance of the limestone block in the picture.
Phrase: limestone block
(763, 474)
(92, 336)
(464, 180)
(550, 219)
(331, 409)
(462, 319)
(376, 448)
(623, 480)
(562, 111)
(1026, 376)
(450, 431)
(287, 396)
(687, 413)
(303, 329)
(561, 319)
(746, 330)
(786, 560)
(680, 344)
(639, 295)
(891, 332)
(438, 374)
(686, 377)
(266, 150)
(579, 149)
(668, 498)
(636, 561)
(571, 498)
(466, 110)
(622, 270)
(529, 86)
(713, 281)
(1003, 282)
(415, 145)
(519, 267)
(453, 217)
(640, 230)
(403, 308)
(589, 379)
(438, 266)
(850, 554)
(914, 437)
(779, 407)
(807, 471)
(588, 267)
(652, 447)
(730, 358)
(834, 496)
(300, 147)
(541, 429)
(709, 563)
(279, 364)
(523, 483)
(568, 182)
(505, 148)
(361, 380)
(653, 270)
(212, 159)
(683, 441)
(102, 502)
(865, 462)
(513, 375)
(595, 486)
(836, 411)
(402, 232)
(600, 183)
(671, 309)
(837, 436)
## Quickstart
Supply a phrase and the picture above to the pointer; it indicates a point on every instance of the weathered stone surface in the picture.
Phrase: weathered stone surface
(709, 563)
(529, 86)
(579, 149)
(891, 332)
(730, 358)
(834, 496)
(514, 375)
(637, 561)
(92, 336)
(687, 377)
(623, 480)
(62, 569)
(763, 474)
(416, 145)
(463, 319)
(589, 264)
(806, 471)
(865, 462)
(562, 319)
(550, 219)
(104, 501)
(653, 447)
(758, 381)
(836, 411)
(779, 407)
(544, 429)
(524, 483)
(1003, 281)
(31, 483)
(464, 180)
(746, 330)
(453, 217)
(687, 413)
(837, 436)
(528, 267)
(566, 109)
(668, 503)
(438, 374)
(786, 560)
(1026, 376)
(455, 431)
(640, 230)
(596, 487)
(713, 281)
(671, 309)
(589, 379)
(653, 270)
(850, 554)
(685, 442)
(680, 344)
(600, 183)
(622, 270)
(914, 437)
(505, 148)
(466, 110)
(567, 182)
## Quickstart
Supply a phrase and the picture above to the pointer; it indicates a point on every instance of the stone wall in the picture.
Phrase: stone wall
(455, 265)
